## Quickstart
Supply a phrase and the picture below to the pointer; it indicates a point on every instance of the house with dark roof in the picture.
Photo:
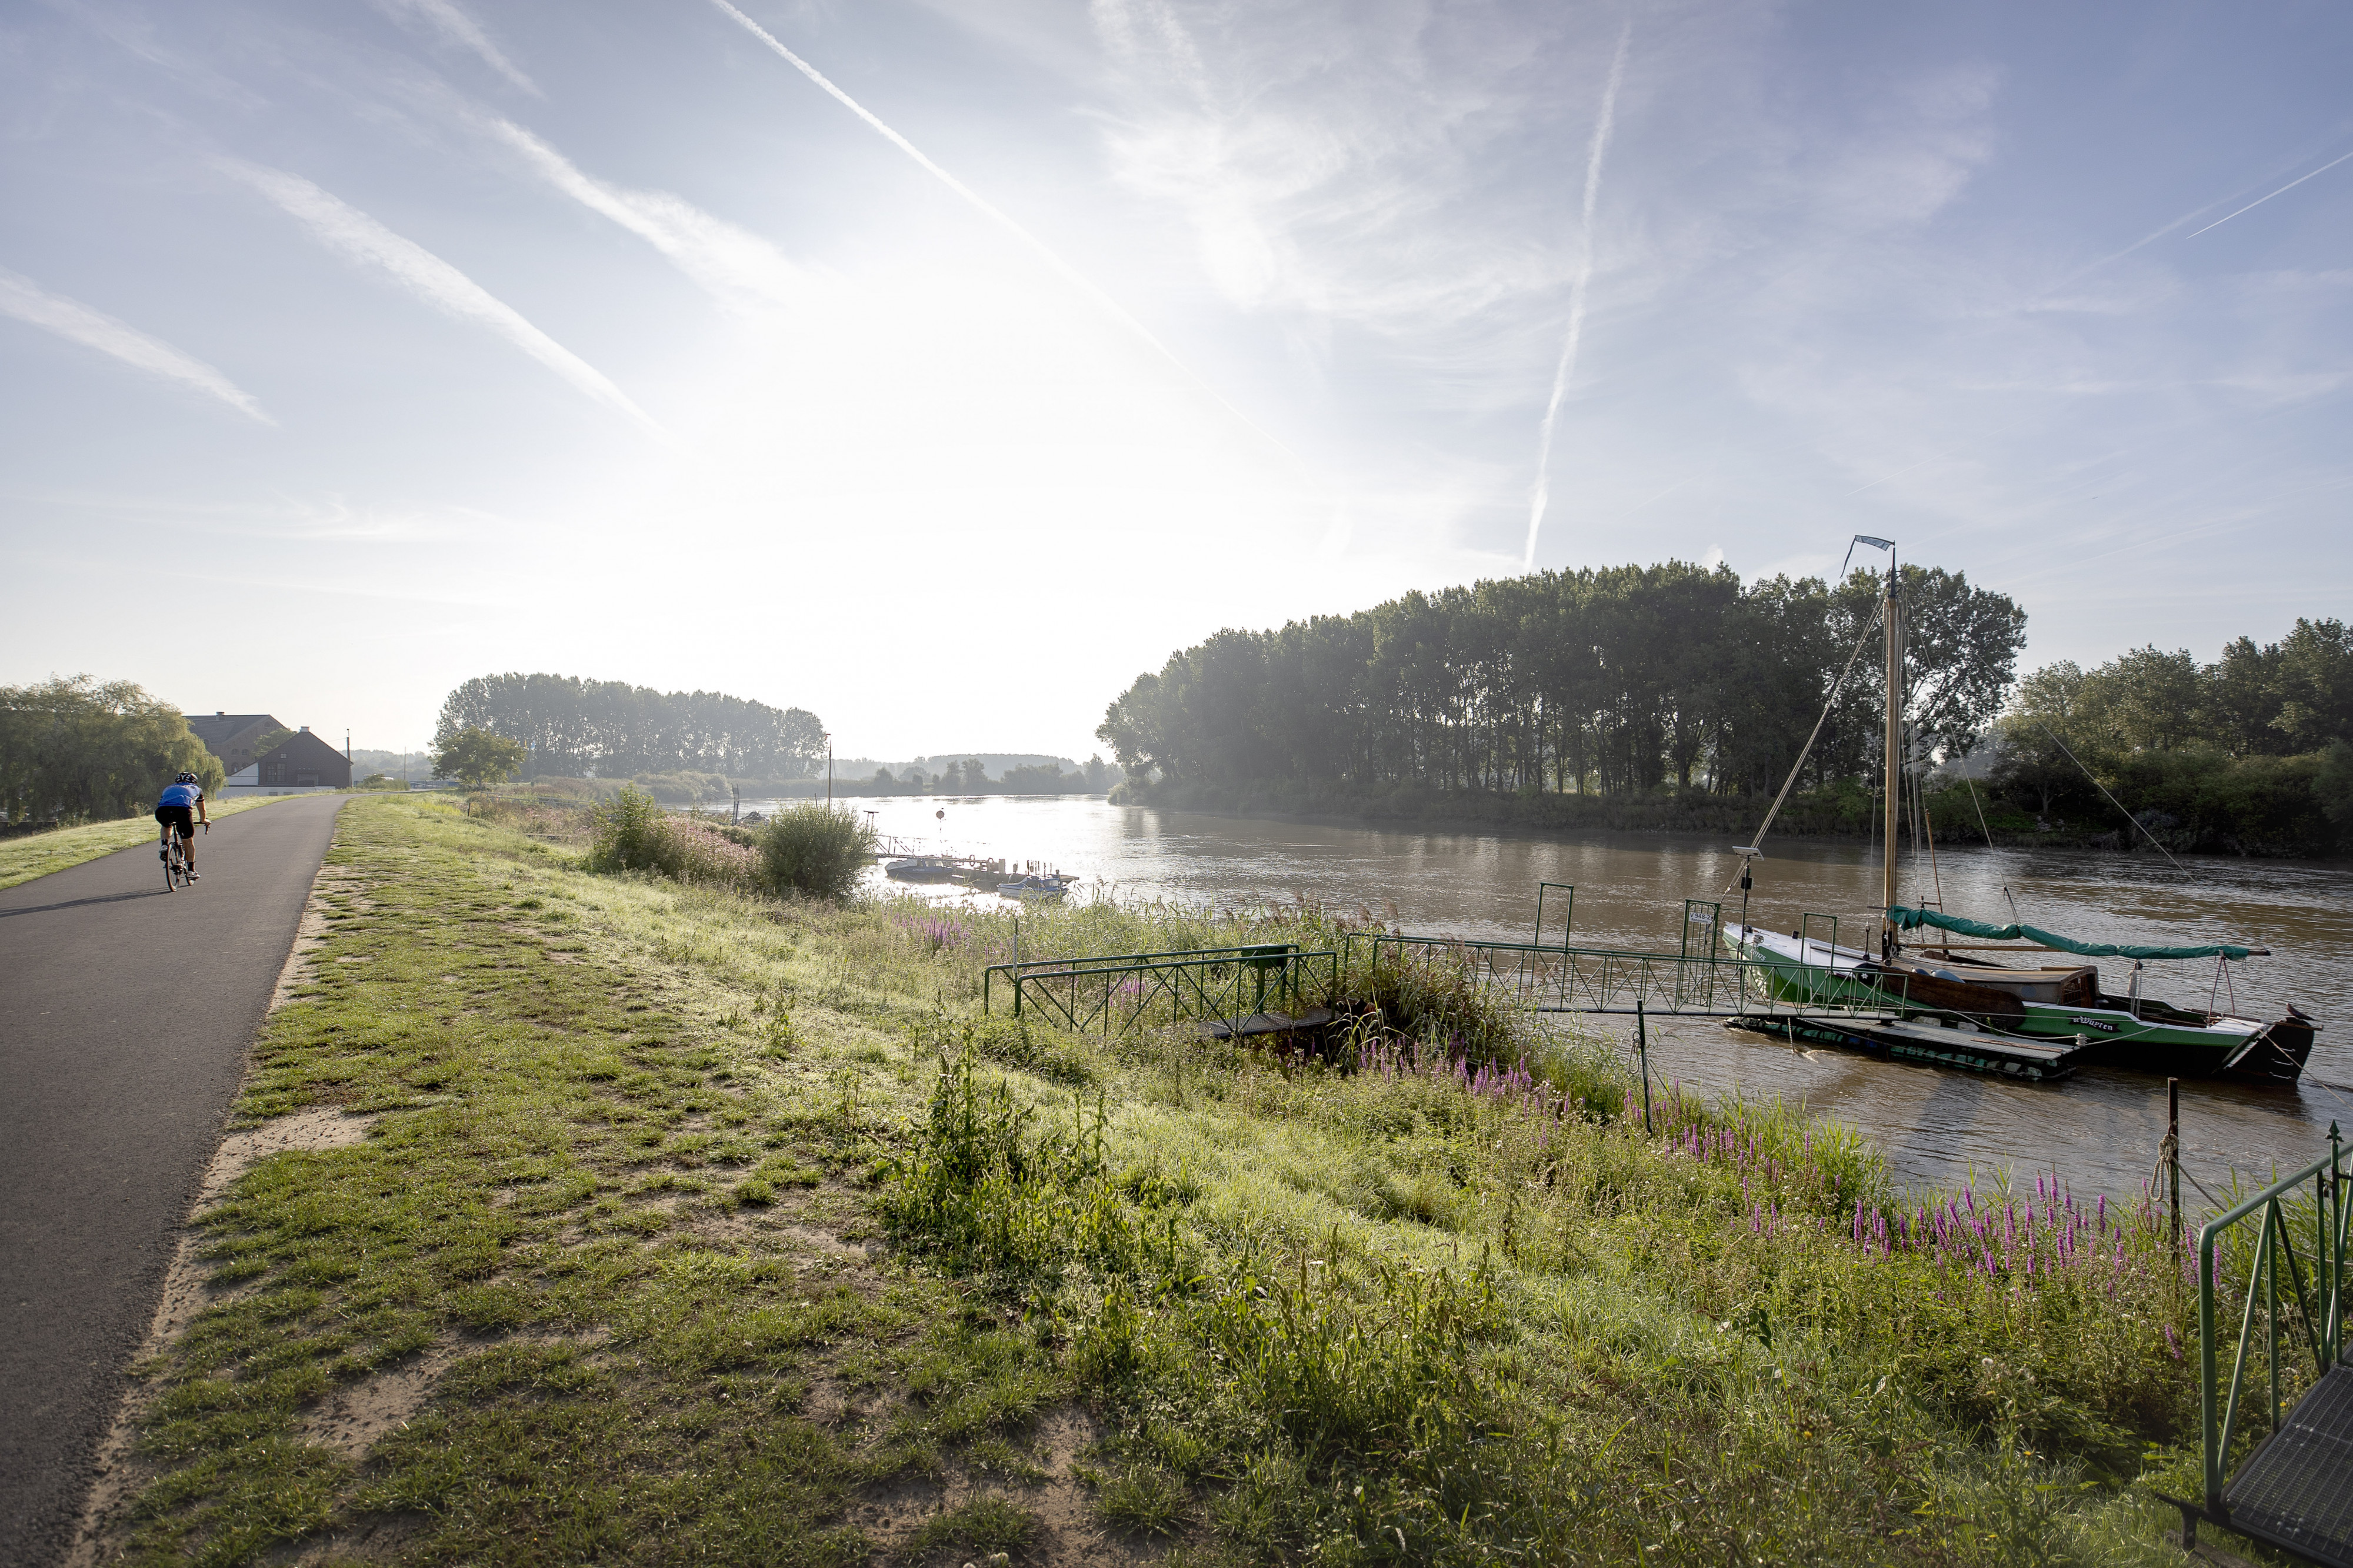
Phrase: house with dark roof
(231, 736)
(303, 761)
(284, 762)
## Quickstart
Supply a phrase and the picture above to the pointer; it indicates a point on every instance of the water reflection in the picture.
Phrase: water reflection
(2098, 1130)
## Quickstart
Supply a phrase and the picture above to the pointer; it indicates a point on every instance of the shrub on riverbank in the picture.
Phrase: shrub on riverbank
(815, 850)
(634, 834)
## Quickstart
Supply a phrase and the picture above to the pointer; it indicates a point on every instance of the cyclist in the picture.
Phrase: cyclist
(180, 809)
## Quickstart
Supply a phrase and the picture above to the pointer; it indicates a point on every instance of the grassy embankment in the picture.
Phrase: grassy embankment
(26, 856)
(706, 1228)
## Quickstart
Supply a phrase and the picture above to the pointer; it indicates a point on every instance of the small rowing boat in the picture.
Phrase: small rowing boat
(1034, 886)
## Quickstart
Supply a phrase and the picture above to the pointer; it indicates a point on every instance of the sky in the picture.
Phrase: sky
(938, 367)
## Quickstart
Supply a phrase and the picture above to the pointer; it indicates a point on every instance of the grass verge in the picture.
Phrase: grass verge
(697, 1227)
(31, 855)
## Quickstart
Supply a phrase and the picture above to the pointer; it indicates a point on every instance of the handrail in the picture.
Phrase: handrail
(1014, 970)
(1189, 981)
(2322, 1307)
(1664, 982)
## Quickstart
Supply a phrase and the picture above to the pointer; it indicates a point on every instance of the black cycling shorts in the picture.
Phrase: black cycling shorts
(183, 817)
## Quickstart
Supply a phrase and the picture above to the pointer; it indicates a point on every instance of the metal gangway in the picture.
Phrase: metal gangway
(2276, 1262)
(1698, 980)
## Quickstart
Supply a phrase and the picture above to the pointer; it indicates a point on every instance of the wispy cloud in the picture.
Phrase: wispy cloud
(451, 20)
(987, 209)
(25, 301)
(1343, 166)
(1604, 123)
(359, 237)
(734, 264)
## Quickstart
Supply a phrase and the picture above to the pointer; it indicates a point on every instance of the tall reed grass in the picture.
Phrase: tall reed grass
(1334, 1391)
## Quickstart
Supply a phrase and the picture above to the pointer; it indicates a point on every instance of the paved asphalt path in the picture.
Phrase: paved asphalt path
(125, 1012)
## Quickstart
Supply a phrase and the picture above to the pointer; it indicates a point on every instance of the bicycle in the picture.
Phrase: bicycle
(177, 872)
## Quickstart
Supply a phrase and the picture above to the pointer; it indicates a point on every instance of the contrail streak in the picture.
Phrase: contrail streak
(1603, 124)
(739, 268)
(1061, 267)
(2259, 201)
(21, 297)
(345, 228)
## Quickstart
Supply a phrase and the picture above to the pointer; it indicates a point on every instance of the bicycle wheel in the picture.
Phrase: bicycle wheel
(170, 847)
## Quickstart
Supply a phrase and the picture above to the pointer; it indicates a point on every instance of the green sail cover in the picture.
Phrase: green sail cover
(1906, 919)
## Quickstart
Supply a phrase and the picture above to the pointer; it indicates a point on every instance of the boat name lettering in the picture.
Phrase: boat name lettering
(2094, 1024)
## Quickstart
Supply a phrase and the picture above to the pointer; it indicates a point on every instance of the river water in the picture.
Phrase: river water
(2098, 1130)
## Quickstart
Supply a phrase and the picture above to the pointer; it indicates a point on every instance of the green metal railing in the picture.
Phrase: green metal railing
(1568, 913)
(2315, 1299)
(1609, 980)
(1134, 990)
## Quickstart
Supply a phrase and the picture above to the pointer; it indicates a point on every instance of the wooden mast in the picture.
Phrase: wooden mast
(1892, 777)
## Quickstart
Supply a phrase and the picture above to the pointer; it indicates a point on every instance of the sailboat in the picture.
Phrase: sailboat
(2034, 1019)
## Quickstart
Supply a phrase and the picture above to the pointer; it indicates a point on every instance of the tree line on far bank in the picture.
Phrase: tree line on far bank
(1677, 697)
(2251, 753)
(1597, 682)
(574, 728)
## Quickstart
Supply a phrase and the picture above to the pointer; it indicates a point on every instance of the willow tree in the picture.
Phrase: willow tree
(78, 748)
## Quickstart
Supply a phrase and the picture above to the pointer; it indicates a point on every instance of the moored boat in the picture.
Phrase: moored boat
(1036, 886)
(921, 869)
(2044, 1004)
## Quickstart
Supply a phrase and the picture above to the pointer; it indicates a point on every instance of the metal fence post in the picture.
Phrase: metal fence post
(2208, 1418)
(1642, 1045)
(2331, 1208)
(2173, 1150)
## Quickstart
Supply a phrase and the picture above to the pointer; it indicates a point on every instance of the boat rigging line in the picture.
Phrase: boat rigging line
(1755, 847)
(2111, 799)
(1980, 809)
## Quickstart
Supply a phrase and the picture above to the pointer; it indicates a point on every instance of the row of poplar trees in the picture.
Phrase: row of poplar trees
(573, 727)
(1596, 681)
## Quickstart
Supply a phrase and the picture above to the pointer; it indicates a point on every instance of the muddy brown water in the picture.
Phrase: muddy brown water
(2099, 1129)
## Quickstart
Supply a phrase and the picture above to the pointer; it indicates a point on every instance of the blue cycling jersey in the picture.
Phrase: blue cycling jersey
(181, 795)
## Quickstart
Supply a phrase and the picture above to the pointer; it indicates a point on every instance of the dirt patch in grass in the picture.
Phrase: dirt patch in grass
(350, 1417)
(190, 1289)
(1033, 1503)
(335, 894)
